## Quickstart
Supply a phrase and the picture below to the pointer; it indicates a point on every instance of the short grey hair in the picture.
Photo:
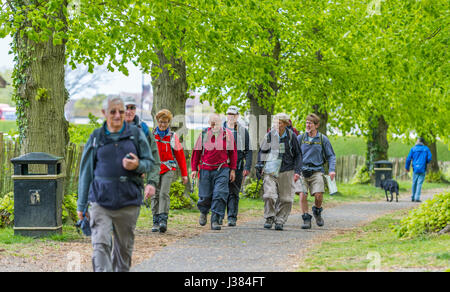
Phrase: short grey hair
(112, 99)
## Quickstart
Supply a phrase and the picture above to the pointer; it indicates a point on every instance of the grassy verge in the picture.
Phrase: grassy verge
(376, 247)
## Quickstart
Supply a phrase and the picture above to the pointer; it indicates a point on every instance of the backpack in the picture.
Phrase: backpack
(172, 144)
(325, 160)
(204, 136)
(96, 135)
(290, 137)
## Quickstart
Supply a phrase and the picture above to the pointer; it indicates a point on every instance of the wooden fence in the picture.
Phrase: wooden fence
(346, 166)
(10, 149)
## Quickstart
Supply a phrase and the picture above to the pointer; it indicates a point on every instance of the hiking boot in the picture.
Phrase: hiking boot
(215, 222)
(317, 216)
(278, 226)
(231, 222)
(306, 221)
(163, 222)
(155, 227)
(269, 222)
(203, 219)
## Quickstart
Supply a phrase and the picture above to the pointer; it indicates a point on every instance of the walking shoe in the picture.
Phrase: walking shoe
(215, 222)
(231, 222)
(317, 216)
(278, 226)
(203, 219)
(306, 221)
(163, 222)
(155, 227)
(269, 222)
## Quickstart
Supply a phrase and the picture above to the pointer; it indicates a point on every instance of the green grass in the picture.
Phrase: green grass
(7, 237)
(358, 250)
(355, 145)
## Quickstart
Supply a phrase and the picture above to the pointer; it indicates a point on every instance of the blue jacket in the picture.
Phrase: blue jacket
(420, 155)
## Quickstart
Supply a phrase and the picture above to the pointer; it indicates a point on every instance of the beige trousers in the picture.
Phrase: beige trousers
(278, 196)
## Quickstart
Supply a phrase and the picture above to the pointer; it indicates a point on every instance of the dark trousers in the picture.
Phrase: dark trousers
(233, 196)
(213, 191)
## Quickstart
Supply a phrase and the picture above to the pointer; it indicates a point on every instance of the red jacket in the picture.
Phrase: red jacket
(210, 155)
(165, 148)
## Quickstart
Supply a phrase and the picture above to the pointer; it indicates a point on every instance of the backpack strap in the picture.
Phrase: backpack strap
(171, 143)
(97, 141)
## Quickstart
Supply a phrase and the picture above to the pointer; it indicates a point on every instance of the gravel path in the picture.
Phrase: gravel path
(251, 248)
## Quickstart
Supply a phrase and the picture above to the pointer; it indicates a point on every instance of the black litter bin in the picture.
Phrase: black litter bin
(37, 196)
(383, 170)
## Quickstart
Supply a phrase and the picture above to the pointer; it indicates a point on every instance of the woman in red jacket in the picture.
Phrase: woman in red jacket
(171, 154)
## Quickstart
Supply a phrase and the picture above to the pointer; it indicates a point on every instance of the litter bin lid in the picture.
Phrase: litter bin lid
(36, 158)
(379, 162)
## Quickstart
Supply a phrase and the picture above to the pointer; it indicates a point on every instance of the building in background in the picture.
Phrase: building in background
(3, 82)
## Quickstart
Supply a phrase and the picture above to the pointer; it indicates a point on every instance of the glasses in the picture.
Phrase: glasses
(131, 107)
(113, 112)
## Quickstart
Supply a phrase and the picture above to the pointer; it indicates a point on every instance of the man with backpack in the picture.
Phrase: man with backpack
(244, 161)
(316, 151)
(113, 161)
(279, 163)
(171, 155)
(133, 119)
(215, 156)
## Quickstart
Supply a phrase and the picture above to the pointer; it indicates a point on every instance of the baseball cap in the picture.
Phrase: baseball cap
(234, 110)
(128, 100)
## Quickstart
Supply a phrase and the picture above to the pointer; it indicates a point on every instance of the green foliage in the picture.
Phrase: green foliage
(7, 210)
(362, 175)
(177, 198)
(433, 177)
(253, 190)
(69, 208)
(42, 94)
(79, 134)
(431, 216)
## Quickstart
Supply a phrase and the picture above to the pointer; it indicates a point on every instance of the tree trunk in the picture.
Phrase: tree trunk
(41, 96)
(170, 92)
(323, 115)
(377, 144)
(262, 106)
(434, 165)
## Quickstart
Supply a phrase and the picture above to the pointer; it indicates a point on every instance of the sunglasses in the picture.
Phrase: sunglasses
(131, 107)
(113, 112)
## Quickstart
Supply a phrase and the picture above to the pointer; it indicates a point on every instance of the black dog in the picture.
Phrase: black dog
(391, 186)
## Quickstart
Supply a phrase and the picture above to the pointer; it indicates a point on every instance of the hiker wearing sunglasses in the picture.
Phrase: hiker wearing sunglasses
(110, 182)
(133, 119)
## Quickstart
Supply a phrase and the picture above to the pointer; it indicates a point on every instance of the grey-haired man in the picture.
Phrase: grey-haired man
(113, 160)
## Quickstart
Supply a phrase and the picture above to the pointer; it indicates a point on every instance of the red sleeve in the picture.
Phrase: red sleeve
(179, 156)
(196, 153)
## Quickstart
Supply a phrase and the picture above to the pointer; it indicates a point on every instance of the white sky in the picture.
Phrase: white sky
(118, 82)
